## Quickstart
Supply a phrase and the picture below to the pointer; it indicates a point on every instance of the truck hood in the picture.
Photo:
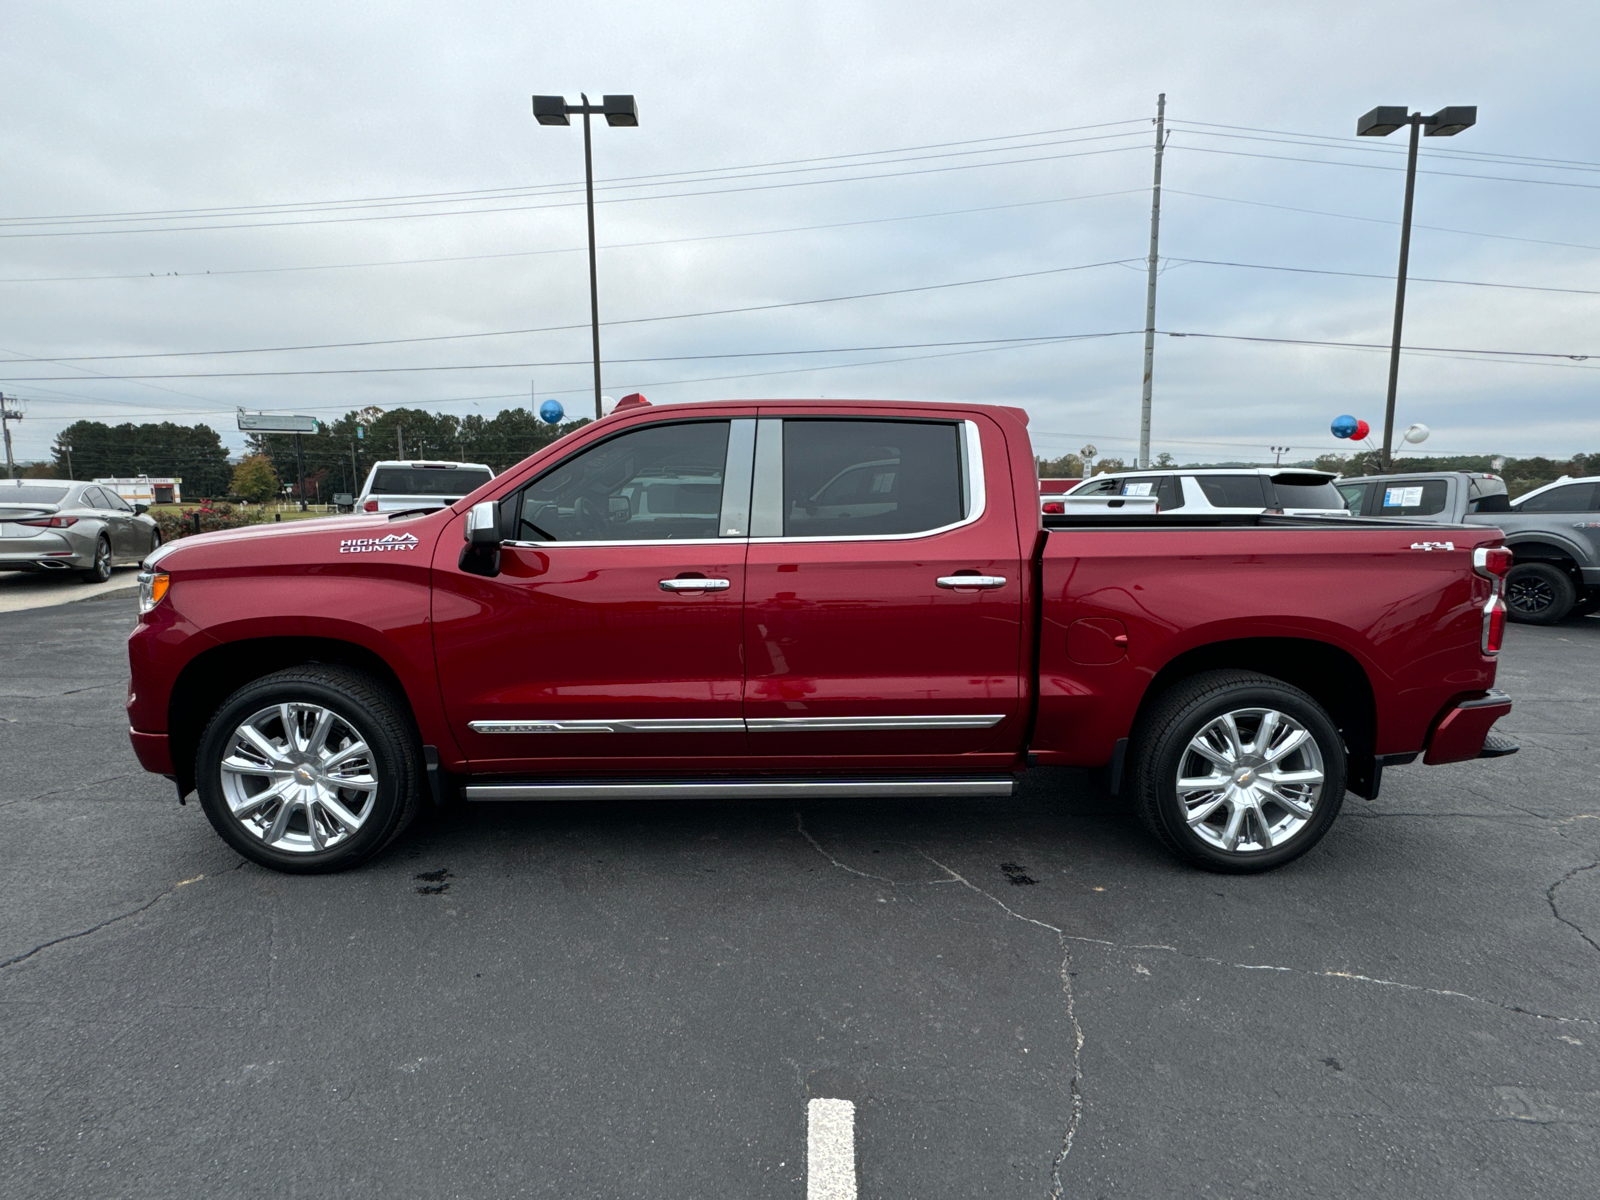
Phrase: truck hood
(317, 534)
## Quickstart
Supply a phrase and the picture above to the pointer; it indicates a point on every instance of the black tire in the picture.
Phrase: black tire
(367, 708)
(155, 540)
(101, 571)
(1587, 603)
(1539, 594)
(1162, 746)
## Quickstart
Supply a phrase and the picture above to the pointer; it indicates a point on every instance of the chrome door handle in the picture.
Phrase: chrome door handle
(695, 585)
(971, 581)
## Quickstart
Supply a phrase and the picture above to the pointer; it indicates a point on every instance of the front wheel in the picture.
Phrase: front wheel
(310, 769)
(1238, 772)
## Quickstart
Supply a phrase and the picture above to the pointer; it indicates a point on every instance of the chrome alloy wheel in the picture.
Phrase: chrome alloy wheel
(299, 777)
(1250, 780)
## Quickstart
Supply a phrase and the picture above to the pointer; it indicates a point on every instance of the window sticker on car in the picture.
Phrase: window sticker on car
(1402, 497)
(392, 541)
(1143, 488)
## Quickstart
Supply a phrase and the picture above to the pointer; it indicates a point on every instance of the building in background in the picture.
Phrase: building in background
(143, 489)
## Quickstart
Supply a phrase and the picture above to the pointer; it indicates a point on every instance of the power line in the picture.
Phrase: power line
(1485, 355)
(452, 337)
(574, 203)
(1521, 287)
(1328, 162)
(228, 210)
(1452, 151)
(710, 237)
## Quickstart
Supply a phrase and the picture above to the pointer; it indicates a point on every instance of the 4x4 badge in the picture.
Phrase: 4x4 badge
(392, 541)
(1433, 545)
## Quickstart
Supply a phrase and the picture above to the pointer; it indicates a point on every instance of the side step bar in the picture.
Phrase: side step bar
(741, 789)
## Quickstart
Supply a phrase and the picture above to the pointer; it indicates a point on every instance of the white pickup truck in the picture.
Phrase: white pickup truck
(394, 486)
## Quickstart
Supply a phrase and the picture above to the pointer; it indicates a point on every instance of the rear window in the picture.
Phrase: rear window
(428, 481)
(32, 495)
(1238, 491)
(1411, 497)
(1307, 491)
(856, 478)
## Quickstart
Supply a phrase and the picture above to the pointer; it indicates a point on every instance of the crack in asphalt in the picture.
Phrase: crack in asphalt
(1064, 972)
(83, 933)
(1550, 896)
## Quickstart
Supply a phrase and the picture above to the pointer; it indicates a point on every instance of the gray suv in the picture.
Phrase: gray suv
(1553, 531)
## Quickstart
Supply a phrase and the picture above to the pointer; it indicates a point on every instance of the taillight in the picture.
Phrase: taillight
(371, 506)
(1492, 562)
(1054, 506)
(1494, 625)
(51, 522)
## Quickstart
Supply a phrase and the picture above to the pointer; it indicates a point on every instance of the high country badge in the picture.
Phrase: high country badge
(392, 541)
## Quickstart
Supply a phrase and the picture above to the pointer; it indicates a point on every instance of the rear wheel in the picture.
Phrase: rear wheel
(101, 570)
(1539, 594)
(310, 769)
(1238, 772)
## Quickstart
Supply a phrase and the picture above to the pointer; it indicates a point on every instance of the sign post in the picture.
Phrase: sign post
(283, 423)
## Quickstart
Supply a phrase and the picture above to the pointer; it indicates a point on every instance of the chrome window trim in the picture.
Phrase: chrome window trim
(832, 724)
(733, 789)
(620, 725)
(973, 485)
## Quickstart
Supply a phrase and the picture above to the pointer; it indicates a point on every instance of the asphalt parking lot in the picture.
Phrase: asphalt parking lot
(1022, 998)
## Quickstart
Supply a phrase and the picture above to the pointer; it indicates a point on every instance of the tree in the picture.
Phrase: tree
(1068, 466)
(193, 453)
(1107, 466)
(255, 480)
(1165, 460)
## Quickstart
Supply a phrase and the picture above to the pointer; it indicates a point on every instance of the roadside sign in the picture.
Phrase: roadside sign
(276, 423)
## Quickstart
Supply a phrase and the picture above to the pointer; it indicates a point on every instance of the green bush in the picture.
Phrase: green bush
(176, 525)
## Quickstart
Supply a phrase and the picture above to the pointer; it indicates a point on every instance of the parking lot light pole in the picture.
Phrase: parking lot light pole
(1381, 122)
(617, 110)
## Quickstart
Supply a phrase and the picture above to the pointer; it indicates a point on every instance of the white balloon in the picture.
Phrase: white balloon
(1417, 433)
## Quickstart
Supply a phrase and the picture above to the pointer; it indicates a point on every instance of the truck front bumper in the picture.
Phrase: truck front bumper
(1462, 731)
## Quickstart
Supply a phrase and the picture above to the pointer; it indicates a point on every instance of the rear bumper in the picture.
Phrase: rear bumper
(154, 751)
(1461, 731)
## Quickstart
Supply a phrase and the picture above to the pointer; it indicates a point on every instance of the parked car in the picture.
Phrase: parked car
(66, 526)
(318, 682)
(1553, 531)
(1237, 490)
(394, 486)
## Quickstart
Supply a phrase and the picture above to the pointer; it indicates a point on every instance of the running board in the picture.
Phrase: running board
(742, 789)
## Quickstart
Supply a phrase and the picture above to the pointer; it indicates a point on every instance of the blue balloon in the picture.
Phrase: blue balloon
(1344, 427)
(551, 412)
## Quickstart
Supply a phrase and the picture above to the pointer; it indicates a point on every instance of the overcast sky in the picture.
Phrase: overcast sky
(293, 127)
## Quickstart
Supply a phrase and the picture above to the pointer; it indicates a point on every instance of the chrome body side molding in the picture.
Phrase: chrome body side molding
(742, 789)
(707, 725)
(736, 725)
(832, 724)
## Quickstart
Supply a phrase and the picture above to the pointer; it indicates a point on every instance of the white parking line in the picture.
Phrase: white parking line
(830, 1150)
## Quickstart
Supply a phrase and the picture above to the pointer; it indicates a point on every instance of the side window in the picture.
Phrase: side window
(1354, 495)
(1411, 498)
(1574, 497)
(95, 498)
(854, 478)
(1170, 494)
(118, 502)
(1103, 487)
(1233, 491)
(657, 483)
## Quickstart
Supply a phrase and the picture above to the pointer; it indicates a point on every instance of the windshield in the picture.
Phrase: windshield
(1308, 491)
(32, 495)
(428, 481)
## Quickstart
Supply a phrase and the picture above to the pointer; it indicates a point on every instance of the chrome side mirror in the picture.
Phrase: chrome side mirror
(483, 524)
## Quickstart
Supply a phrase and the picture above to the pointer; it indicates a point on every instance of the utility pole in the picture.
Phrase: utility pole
(10, 410)
(1150, 288)
(300, 465)
(400, 441)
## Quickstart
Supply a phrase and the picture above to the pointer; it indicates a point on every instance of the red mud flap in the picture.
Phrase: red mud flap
(154, 751)
(1463, 733)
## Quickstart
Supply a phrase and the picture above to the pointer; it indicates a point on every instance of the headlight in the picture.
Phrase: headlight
(153, 586)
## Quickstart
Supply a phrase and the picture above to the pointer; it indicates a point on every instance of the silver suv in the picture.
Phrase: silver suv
(1235, 490)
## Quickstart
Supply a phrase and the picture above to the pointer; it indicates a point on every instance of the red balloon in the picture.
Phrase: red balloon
(1362, 429)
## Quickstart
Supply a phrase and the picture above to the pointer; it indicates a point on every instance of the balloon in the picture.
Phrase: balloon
(551, 412)
(1362, 429)
(1417, 433)
(1344, 427)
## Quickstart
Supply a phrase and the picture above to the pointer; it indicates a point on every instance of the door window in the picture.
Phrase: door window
(1354, 494)
(662, 482)
(1165, 488)
(1100, 487)
(1411, 497)
(1233, 491)
(855, 478)
(1574, 497)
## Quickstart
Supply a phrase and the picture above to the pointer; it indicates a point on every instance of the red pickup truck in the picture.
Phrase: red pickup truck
(806, 599)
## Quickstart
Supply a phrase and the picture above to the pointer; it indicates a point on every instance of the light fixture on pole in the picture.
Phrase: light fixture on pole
(1278, 452)
(617, 110)
(1381, 122)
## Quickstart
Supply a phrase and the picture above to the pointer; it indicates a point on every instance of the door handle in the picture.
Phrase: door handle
(975, 582)
(695, 585)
